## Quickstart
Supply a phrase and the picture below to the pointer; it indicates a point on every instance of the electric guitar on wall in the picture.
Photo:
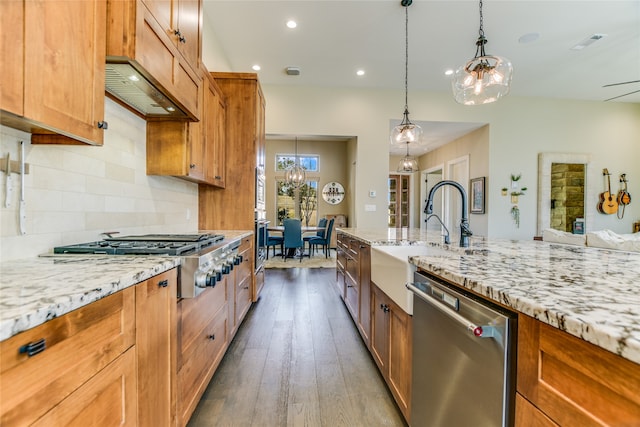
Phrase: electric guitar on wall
(608, 204)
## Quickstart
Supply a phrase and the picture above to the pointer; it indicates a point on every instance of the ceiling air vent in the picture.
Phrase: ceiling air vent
(293, 71)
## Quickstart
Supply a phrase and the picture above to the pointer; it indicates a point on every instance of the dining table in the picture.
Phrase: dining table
(304, 229)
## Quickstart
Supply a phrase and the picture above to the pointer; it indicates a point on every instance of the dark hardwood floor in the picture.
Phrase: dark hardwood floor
(297, 360)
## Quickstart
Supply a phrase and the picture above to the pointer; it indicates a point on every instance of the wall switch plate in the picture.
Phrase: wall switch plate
(369, 208)
(372, 193)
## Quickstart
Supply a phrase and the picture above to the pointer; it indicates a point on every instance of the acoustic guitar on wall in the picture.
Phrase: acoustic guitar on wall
(608, 204)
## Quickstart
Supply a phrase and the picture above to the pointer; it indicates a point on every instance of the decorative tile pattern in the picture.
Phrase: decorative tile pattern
(591, 293)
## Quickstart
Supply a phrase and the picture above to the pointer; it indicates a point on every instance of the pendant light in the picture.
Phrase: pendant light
(295, 175)
(406, 132)
(484, 79)
(408, 163)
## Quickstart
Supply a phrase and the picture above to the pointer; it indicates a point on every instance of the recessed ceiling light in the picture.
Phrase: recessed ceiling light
(360, 72)
(291, 23)
(528, 38)
(256, 67)
(448, 72)
(589, 40)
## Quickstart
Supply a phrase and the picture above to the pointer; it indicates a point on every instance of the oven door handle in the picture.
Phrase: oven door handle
(485, 331)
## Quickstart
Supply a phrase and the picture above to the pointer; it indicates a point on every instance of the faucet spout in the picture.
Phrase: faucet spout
(444, 227)
(465, 232)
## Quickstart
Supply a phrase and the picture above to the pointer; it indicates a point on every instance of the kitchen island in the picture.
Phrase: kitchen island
(578, 313)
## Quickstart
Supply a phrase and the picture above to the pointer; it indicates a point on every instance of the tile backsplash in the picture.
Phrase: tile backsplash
(74, 193)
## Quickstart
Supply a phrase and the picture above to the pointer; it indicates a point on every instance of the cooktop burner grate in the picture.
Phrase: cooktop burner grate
(150, 244)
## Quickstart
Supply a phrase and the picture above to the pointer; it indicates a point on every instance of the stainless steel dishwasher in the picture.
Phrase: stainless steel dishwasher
(463, 358)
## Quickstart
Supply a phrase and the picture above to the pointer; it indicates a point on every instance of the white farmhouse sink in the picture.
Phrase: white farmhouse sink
(391, 270)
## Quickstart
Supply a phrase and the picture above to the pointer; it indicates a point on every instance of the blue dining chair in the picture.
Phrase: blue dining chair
(320, 233)
(292, 238)
(324, 241)
(274, 241)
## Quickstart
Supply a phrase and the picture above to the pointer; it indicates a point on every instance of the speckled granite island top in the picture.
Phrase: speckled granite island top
(593, 294)
(34, 290)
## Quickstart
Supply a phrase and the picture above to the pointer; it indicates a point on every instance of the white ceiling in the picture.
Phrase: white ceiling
(335, 38)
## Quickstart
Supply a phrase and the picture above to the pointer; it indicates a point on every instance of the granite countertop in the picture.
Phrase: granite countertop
(591, 293)
(35, 290)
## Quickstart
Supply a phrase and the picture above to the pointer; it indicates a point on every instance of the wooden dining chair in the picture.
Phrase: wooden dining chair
(292, 238)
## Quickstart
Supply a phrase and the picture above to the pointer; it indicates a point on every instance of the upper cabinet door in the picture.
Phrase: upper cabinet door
(64, 66)
(12, 54)
(188, 25)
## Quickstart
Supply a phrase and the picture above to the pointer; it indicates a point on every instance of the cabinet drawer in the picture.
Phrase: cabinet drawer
(200, 364)
(243, 298)
(78, 345)
(351, 297)
(107, 399)
(196, 316)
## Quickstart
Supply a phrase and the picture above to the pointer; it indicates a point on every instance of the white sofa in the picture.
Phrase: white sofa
(606, 239)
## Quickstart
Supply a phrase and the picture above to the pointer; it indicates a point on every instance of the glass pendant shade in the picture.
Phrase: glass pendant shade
(482, 80)
(408, 164)
(406, 132)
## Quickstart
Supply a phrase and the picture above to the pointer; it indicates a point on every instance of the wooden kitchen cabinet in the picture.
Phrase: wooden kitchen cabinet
(391, 346)
(233, 208)
(243, 277)
(156, 344)
(84, 374)
(203, 339)
(181, 20)
(569, 381)
(135, 35)
(191, 150)
(66, 106)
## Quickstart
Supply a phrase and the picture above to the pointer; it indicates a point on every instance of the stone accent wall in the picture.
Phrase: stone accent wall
(567, 195)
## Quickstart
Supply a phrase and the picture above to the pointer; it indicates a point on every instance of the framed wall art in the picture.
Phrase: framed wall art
(477, 195)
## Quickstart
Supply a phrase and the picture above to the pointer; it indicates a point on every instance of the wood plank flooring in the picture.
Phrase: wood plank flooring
(297, 360)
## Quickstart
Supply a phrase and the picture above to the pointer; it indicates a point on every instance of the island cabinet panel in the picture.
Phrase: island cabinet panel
(341, 264)
(53, 79)
(78, 346)
(136, 36)
(528, 415)
(203, 337)
(156, 344)
(364, 311)
(391, 346)
(573, 382)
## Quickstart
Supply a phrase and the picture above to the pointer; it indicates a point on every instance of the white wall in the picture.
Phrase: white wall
(520, 128)
(75, 192)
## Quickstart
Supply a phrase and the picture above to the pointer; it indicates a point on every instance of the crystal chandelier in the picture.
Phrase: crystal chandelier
(484, 79)
(406, 132)
(408, 163)
(295, 175)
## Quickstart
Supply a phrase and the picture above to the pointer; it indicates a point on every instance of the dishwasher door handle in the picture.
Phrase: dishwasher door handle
(476, 330)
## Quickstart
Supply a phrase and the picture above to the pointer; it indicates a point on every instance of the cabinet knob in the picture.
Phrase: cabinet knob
(192, 165)
(218, 177)
(384, 308)
(163, 283)
(103, 125)
(211, 337)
